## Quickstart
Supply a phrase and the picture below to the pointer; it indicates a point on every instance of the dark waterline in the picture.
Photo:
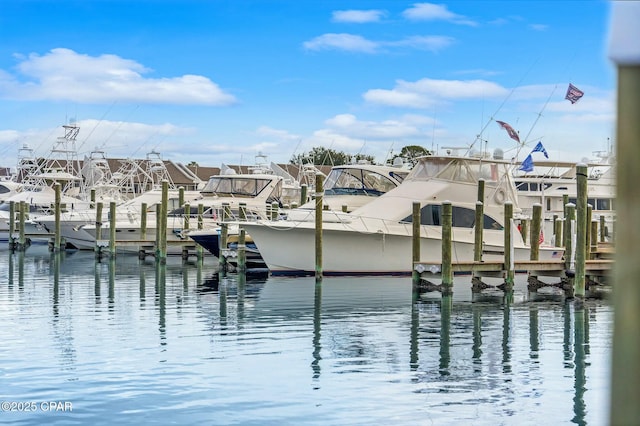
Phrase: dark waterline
(130, 342)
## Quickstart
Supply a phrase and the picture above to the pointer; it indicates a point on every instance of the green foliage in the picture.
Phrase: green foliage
(411, 153)
(322, 156)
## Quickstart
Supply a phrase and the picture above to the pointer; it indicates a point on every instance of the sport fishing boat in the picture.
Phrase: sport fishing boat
(377, 237)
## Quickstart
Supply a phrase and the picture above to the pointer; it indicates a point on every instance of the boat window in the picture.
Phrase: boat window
(399, 176)
(548, 204)
(4, 189)
(235, 186)
(533, 186)
(357, 181)
(603, 204)
(522, 186)
(562, 188)
(462, 217)
(591, 202)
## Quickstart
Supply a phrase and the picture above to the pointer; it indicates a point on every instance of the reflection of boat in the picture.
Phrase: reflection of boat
(346, 187)
(376, 238)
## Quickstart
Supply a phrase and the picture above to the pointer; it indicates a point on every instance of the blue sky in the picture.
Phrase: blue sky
(219, 81)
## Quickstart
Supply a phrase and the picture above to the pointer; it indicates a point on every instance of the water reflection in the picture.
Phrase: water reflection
(220, 333)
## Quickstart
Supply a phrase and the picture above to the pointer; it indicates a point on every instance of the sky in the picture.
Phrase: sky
(223, 81)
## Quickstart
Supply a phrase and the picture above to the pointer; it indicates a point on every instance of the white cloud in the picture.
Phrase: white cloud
(425, 92)
(435, 12)
(63, 74)
(348, 42)
(539, 27)
(358, 16)
(283, 135)
(433, 43)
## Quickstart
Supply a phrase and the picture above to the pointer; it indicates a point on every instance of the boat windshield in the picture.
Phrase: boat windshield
(235, 186)
(353, 181)
(457, 170)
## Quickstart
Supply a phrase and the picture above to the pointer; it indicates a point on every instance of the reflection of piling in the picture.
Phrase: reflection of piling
(98, 224)
(112, 228)
(57, 237)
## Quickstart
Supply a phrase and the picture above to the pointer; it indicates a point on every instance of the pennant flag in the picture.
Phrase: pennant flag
(512, 133)
(527, 164)
(540, 148)
(573, 94)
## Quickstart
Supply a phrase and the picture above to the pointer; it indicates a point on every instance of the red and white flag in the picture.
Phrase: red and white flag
(512, 133)
(573, 94)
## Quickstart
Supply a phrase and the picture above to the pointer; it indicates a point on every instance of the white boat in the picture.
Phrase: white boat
(551, 181)
(346, 187)
(376, 238)
(256, 191)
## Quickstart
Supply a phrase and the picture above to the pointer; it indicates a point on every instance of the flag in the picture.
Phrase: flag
(541, 238)
(540, 148)
(573, 94)
(512, 133)
(527, 164)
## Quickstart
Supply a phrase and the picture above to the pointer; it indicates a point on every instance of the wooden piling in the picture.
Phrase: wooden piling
(143, 221)
(162, 231)
(112, 228)
(92, 199)
(318, 234)
(589, 237)
(274, 210)
(602, 229)
(186, 217)
(478, 229)
(12, 224)
(22, 239)
(568, 228)
(415, 241)
(625, 368)
(480, 190)
(524, 230)
(593, 248)
(242, 211)
(57, 237)
(509, 277)
(447, 270)
(199, 248)
(180, 196)
(557, 231)
(534, 238)
(98, 247)
(581, 228)
(242, 252)
(303, 193)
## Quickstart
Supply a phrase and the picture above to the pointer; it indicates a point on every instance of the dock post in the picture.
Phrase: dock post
(22, 239)
(12, 225)
(303, 193)
(242, 252)
(57, 238)
(143, 221)
(112, 228)
(569, 246)
(447, 271)
(199, 248)
(589, 236)
(480, 190)
(593, 248)
(602, 229)
(557, 231)
(478, 230)
(565, 201)
(162, 238)
(274, 210)
(509, 274)
(415, 242)
(345, 208)
(92, 198)
(318, 199)
(581, 231)
(186, 217)
(536, 229)
(242, 211)
(625, 369)
(524, 230)
(98, 248)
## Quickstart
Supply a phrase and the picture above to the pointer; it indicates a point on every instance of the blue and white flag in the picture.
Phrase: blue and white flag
(540, 148)
(527, 164)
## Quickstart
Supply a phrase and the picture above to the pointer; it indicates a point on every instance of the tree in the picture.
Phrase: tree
(193, 164)
(411, 153)
(322, 156)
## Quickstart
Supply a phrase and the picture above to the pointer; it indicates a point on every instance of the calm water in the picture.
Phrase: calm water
(132, 343)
